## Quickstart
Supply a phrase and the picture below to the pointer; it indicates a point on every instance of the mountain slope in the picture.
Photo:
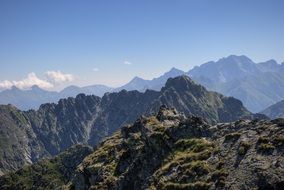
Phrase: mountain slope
(16, 138)
(170, 151)
(275, 111)
(34, 97)
(89, 119)
(252, 93)
(271, 66)
(47, 174)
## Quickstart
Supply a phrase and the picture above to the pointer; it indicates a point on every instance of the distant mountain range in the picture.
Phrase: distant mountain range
(27, 136)
(275, 111)
(257, 85)
(33, 98)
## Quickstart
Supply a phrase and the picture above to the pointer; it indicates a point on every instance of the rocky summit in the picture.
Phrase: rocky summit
(28, 136)
(168, 150)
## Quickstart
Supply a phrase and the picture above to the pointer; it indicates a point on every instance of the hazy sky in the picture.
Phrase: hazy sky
(110, 42)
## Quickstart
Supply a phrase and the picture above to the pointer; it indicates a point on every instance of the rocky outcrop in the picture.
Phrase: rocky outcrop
(170, 151)
(31, 135)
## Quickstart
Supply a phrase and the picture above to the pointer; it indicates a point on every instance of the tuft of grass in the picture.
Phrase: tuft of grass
(195, 145)
(279, 140)
(263, 139)
(197, 167)
(219, 176)
(266, 147)
(152, 121)
(244, 147)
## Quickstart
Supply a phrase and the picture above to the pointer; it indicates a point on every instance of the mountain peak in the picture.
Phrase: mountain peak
(173, 69)
(70, 88)
(181, 82)
(270, 65)
(35, 87)
(14, 88)
(173, 72)
(136, 78)
(182, 78)
(270, 62)
(236, 58)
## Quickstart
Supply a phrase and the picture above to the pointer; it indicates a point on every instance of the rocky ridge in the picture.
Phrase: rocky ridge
(170, 151)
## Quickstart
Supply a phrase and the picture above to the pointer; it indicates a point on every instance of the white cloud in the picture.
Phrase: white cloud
(52, 78)
(59, 77)
(26, 83)
(127, 63)
(6, 84)
(95, 69)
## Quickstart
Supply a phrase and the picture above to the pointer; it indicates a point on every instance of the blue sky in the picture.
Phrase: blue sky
(93, 39)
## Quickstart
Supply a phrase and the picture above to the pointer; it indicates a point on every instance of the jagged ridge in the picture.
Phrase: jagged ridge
(171, 151)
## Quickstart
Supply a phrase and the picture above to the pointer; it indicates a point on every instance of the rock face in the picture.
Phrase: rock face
(19, 145)
(170, 151)
(275, 111)
(31, 135)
